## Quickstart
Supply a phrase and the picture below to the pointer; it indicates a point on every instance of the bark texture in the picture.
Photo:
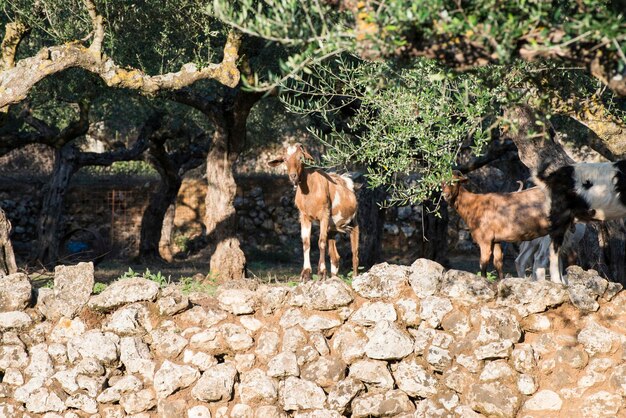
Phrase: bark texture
(371, 218)
(7, 257)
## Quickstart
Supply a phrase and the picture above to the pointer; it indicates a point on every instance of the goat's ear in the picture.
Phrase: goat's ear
(276, 162)
(459, 176)
(305, 152)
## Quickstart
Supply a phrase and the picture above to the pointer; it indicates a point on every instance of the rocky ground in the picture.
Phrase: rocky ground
(408, 341)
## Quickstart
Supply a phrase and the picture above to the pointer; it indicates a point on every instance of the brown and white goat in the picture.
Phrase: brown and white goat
(499, 217)
(326, 198)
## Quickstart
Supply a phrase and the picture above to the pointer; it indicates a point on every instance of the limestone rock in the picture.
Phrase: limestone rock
(72, 287)
(272, 297)
(171, 377)
(498, 370)
(325, 371)
(494, 350)
(136, 357)
(498, 325)
(466, 288)
(15, 292)
(494, 399)
(167, 343)
(65, 330)
(283, 365)
(202, 361)
(129, 320)
(413, 379)
(529, 297)
(523, 358)
(216, 384)
(14, 320)
(601, 404)
(296, 394)
(294, 338)
(526, 384)
(408, 310)
(387, 341)
(317, 323)
(136, 402)
(597, 338)
(42, 400)
(349, 342)
(372, 312)
(94, 344)
(544, 400)
(40, 362)
(343, 392)
(433, 309)
(322, 295)
(124, 292)
(171, 301)
(392, 403)
(236, 337)
(267, 344)
(426, 276)
(382, 281)
(199, 411)
(374, 373)
(82, 402)
(237, 301)
(257, 387)
(124, 385)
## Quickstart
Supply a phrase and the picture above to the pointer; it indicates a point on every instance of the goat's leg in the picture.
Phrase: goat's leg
(498, 260)
(321, 243)
(354, 244)
(555, 259)
(485, 256)
(305, 233)
(333, 253)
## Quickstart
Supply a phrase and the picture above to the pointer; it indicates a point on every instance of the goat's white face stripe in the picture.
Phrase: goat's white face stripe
(291, 150)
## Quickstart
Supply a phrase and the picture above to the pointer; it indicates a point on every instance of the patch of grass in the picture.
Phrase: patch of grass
(99, 288)
(491, 277)
(48, 284)
(191, 285)
(157, 277)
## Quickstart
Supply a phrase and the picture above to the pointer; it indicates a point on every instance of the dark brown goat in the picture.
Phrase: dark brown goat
(499, 217)
(326, 198)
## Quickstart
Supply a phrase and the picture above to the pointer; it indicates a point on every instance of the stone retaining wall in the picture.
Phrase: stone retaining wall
(403, 341)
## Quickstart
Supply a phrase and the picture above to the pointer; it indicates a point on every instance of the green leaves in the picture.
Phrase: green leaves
(402, 126)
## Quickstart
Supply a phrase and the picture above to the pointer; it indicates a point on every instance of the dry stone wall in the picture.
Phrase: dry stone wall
(401, 341)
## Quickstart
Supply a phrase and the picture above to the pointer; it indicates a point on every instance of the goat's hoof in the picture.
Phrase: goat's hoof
(322, 275)
(305, 275)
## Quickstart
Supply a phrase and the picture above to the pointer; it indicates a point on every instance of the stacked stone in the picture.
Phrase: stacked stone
(403, 341)
(23, 215)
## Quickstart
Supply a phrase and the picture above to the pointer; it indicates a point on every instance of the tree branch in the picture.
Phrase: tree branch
(98, 28)
(16, 82)
(13, 35)
(123, 154)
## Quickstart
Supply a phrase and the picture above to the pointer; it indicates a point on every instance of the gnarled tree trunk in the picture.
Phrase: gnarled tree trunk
(7, 257)
(435, 238)
(228, 261)
(163, 198)
(371, 218)
(65, 165)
